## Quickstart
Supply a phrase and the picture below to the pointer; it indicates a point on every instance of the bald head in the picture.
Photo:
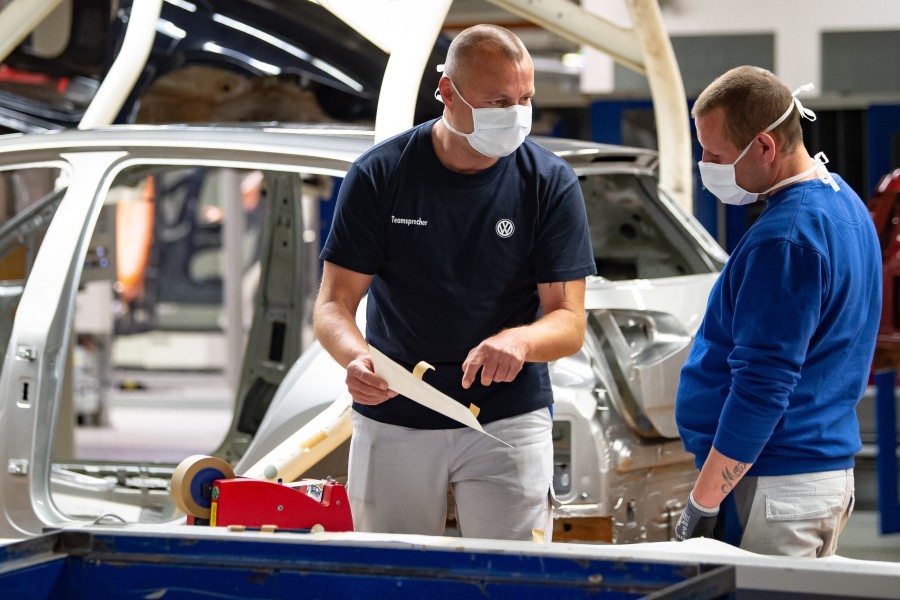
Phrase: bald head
(478, 43)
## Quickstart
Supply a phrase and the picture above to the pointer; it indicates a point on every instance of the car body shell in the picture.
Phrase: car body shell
(618, 459)
(210, 59)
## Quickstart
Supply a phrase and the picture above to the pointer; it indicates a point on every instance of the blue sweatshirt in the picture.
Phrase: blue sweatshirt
(785, 349)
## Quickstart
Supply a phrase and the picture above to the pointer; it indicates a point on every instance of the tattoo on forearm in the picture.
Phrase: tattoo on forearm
(564, 288)
(730, 476)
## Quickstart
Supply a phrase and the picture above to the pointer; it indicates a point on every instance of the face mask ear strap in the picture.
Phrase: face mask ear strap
(822, 171)
(437, 91)
(456, 91)
(805, 113)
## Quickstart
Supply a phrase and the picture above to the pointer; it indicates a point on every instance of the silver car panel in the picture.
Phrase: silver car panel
(617, 456)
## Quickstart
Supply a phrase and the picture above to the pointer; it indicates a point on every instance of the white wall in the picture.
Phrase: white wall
(796, 24)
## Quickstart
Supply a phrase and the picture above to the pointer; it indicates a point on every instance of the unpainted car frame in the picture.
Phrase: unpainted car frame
(214, 60)
(620, 470)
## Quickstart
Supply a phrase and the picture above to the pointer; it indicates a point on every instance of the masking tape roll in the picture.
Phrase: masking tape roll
(420, 368)
(186, 487)
(419, 372)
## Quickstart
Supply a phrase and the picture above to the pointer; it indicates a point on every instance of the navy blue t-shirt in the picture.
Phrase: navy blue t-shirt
(456, 258)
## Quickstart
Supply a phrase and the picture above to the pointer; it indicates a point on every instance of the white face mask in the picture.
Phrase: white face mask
(721, 181)
(496, 131)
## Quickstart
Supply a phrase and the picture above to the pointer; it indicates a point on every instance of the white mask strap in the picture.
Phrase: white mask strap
(437, 95)
(453, 85)
(822, 171)
(819, 162)
(804, 112)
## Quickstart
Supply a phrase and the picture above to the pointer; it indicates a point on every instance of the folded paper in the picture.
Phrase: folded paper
(413, 387)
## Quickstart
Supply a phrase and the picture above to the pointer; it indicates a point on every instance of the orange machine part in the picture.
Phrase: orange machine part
(134, 236)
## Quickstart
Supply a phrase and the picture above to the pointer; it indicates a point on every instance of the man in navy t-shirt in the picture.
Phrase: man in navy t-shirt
(473, 245)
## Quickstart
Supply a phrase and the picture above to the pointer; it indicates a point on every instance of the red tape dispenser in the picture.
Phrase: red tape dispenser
(206, 489)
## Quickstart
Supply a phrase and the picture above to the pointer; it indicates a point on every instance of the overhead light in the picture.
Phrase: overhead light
(183, 4)
(170, 29)
(547, 64)
(256, 64)
(573, 60)
(289, 48)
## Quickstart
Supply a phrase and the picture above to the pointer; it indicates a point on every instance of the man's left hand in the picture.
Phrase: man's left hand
(500, 358)
(696, 521)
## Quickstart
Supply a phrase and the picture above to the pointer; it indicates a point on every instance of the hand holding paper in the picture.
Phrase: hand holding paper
(403, 382)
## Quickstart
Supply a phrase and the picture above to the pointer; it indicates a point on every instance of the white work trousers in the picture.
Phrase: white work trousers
(398, 478)
(798, 515)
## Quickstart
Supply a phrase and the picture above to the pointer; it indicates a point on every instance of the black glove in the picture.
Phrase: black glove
(695, 521)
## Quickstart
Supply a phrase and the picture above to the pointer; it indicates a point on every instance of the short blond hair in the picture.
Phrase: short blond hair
(472, 44)
(752, 98)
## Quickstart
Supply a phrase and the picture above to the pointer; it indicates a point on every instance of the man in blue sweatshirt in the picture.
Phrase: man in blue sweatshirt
(767, 398)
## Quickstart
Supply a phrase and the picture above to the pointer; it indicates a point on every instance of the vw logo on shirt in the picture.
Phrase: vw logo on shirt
(505, 228)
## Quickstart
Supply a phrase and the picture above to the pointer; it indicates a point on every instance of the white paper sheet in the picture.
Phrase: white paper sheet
(403, 382)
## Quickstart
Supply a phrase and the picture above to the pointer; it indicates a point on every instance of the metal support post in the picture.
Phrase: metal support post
(886, 465)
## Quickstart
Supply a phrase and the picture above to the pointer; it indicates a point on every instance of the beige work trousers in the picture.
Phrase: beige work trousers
(798, 515)
(398, 478)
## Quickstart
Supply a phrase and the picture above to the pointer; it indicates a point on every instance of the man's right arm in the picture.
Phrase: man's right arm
(334, 320)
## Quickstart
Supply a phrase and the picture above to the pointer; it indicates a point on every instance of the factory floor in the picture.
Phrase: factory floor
(175, 416)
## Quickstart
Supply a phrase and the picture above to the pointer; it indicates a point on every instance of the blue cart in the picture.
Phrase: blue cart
(213, 563)
(75, 565)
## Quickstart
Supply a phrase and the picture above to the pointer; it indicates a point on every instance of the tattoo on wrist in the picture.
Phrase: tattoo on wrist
(731, 476)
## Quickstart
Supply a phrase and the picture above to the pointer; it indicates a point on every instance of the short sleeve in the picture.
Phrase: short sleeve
(562, 250)
(356, 240)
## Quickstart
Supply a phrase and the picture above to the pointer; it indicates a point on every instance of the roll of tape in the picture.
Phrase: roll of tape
(420, 368)
(186, 487)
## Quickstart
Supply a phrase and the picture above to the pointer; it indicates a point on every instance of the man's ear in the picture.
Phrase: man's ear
(769, 146)
(446, 91)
